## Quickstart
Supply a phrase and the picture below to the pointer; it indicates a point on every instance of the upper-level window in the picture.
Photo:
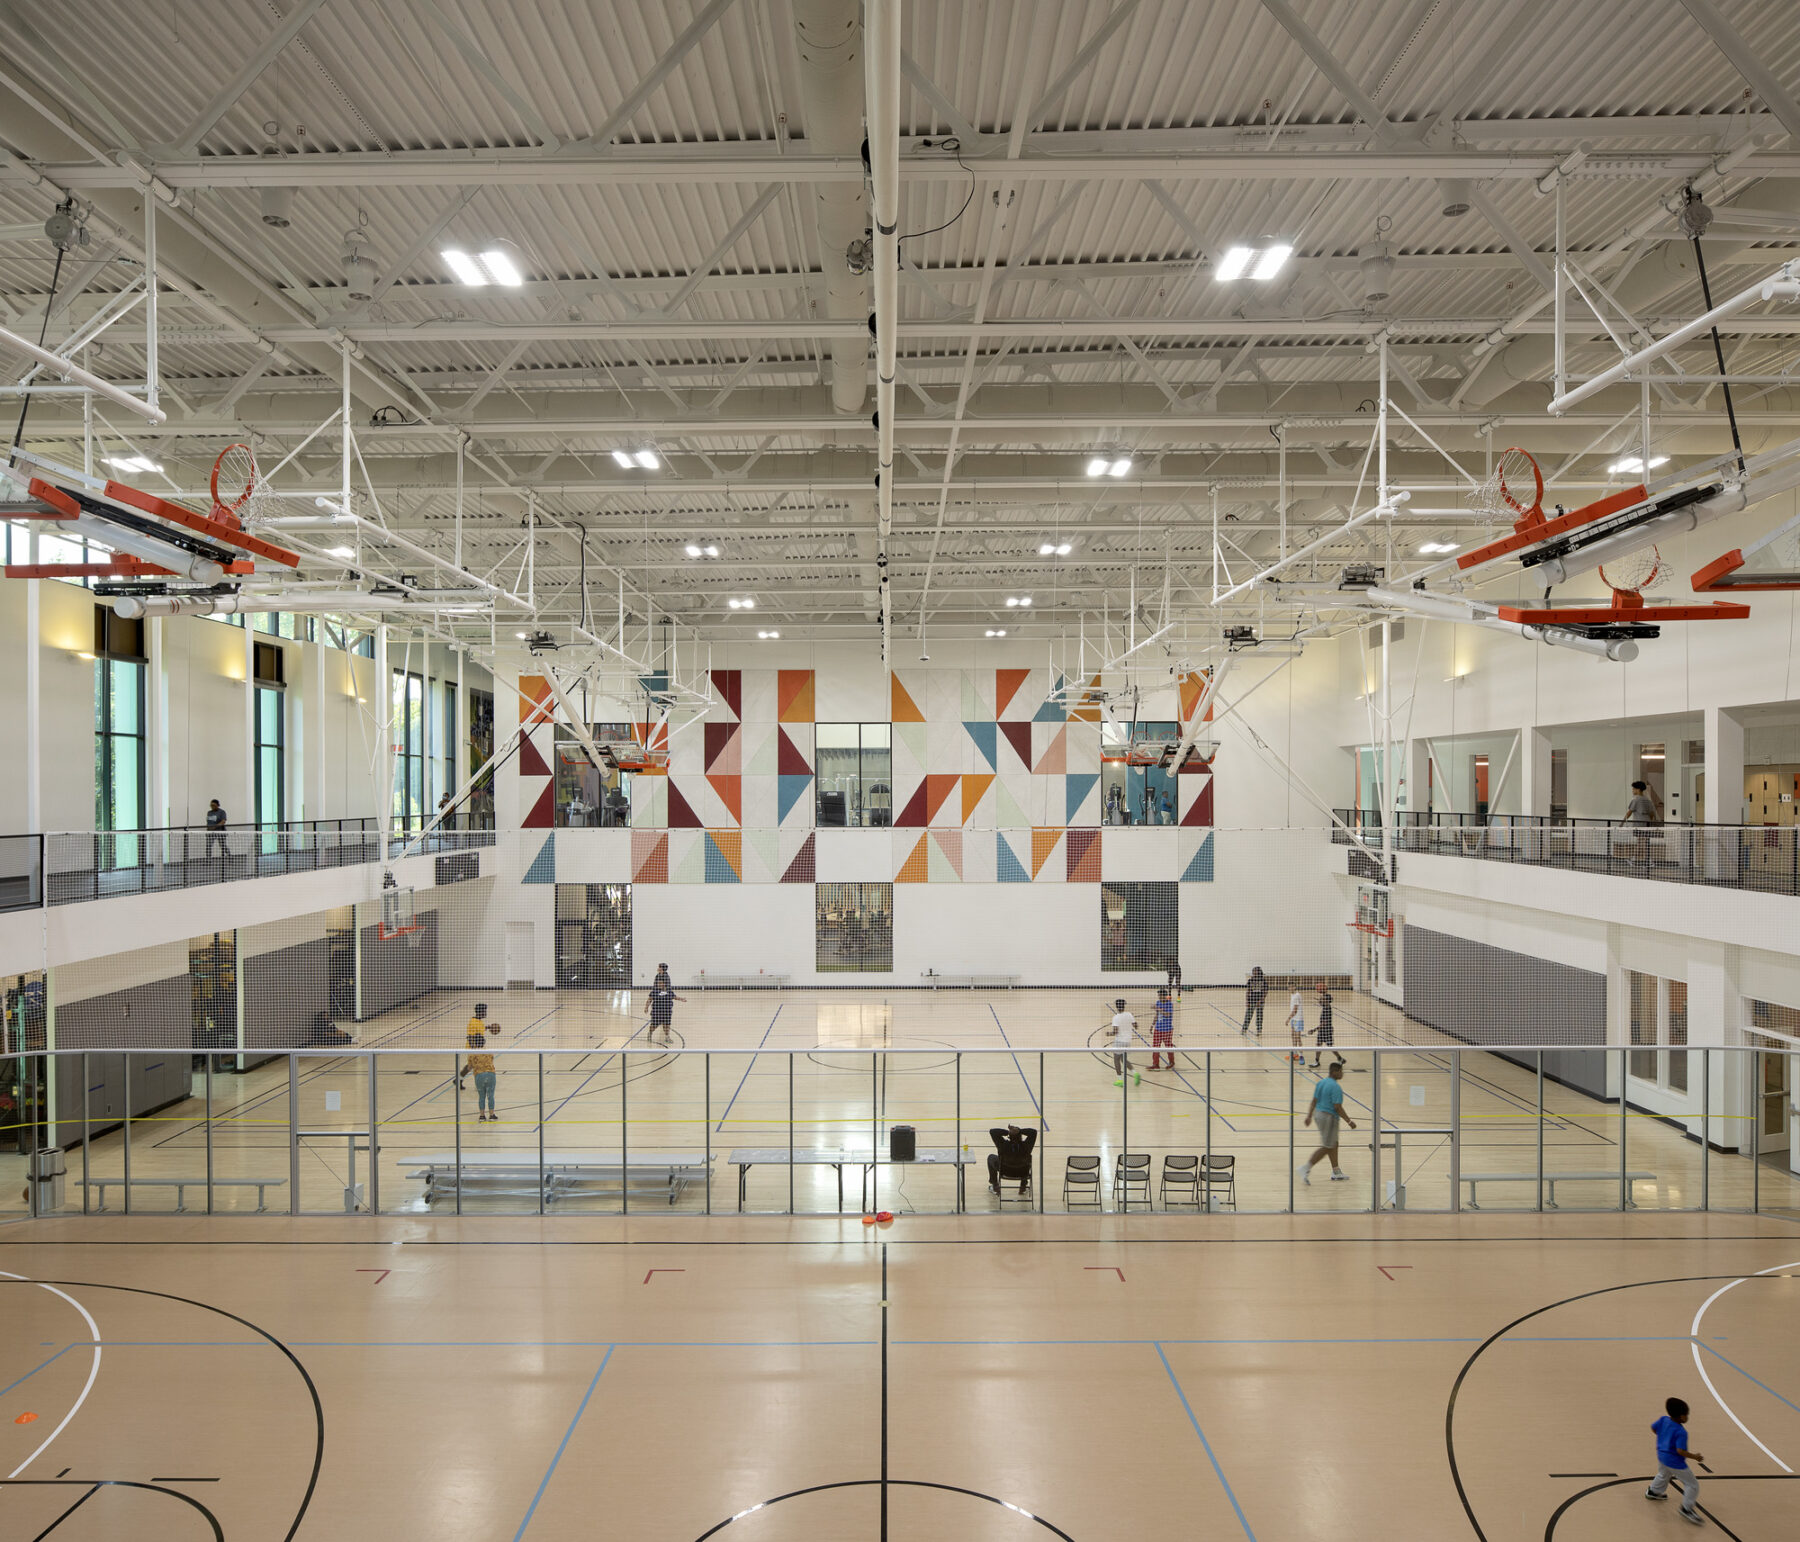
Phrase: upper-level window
(855, 774)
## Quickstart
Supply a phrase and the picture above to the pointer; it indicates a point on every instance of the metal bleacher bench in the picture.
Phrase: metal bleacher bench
(1552, 1179)
(561, 1174)
(182, 1185)
(707, 981)
(969, 981)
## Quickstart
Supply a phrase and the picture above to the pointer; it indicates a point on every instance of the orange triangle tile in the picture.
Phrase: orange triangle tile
(535, 703)
(730, 846)
(1006, 686)
(1043, 843)
(1193, 687)
(917, 867)
(794, 695)
(901, 707)
(731, 793)
(1089, 710)
(974, 788)
(937, 792)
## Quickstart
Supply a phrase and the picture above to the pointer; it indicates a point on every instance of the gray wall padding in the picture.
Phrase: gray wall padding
(401, 969)
(1492, 996)
(284, 993)
(157, 1013)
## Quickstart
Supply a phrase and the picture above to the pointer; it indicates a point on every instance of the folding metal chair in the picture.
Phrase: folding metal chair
(1182, 1175)
(1081, 1174)
(1219, 1172)
(1131, 1179)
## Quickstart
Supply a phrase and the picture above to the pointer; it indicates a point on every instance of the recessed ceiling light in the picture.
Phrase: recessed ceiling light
(712, 551)
(767, 635)
(1270, 263)
(1013, 599)
(132, 463)
(1439, 546)
(1261, 262)
(693, 550)
(340, 551)
(1119, 467)
(520, 635)
(491, 267)
(1046, 550)
(993, 632)
(1233, 265)
(742, 604)
(623, 458)
(648, 460)
(1098, 465)
(1634, 463)
(1064, 549)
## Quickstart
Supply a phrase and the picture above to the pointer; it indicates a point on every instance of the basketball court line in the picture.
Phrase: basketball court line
(568, 1434)
(1211, 1456)
(1694, 1333)
(93, 1369)
(719, 1128)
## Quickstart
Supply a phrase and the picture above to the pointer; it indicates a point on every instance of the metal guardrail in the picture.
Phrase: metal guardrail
(21, 872)
(77, 866)
(1435, 1127)
(1762, 858)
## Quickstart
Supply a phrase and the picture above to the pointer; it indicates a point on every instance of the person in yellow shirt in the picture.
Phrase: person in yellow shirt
(479, 1023)
(485, 1077)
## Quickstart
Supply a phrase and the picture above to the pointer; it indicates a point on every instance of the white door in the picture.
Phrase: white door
(521, 952)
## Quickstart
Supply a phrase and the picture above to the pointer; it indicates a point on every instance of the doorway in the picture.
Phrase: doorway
(521, 953)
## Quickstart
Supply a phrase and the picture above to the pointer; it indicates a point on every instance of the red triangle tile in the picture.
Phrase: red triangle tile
(1018, 735)
(681, 815)
(531, 763)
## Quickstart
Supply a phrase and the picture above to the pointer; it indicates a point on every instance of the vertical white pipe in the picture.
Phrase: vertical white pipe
(458, 722)
(384, 715)
(249, 812)
(1381, 431)
(881, 57)
(344, 423)
(462, 441)
(1281, 438)
(1561, 302)
(152, 368)
(34, 699)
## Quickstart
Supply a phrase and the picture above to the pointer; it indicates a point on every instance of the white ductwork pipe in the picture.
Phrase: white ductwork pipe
(306, 603)
(128, 543)
(1784, 282)
(1467, 612)
(881, 55)
(382, 533)
(58, 365)
(828, 35)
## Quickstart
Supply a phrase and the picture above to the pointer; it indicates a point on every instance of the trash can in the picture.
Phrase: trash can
(903, 1143)
(47, 1170)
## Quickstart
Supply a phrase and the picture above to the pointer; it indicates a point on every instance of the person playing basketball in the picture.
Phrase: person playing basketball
(478, 1024)
(1162, 1031)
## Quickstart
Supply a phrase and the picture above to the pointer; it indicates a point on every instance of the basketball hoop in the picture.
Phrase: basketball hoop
(1372, 915)
(239, 494)
(1635, 572)
(397, 916)
(1515, 488)
(629, 755)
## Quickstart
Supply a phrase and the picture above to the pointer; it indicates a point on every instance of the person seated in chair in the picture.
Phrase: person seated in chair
(1011, 1157)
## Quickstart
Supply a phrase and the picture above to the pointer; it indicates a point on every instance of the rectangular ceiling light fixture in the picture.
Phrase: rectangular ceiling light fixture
(132, 463)
(490, 267)
(1635, 464)
(1261, 262)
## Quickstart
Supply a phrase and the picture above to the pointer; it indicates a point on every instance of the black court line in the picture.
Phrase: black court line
(312, 1389)
(1494, 1338)
(94, 1485)
(1722, 1477)
(1583, 1475)
(215, 1480)
(948, 1488)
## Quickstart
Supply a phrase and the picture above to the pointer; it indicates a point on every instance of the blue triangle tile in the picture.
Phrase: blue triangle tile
(1200, 868)
(1007, 867)
(1077, 785)
(543, 865)
(986, 737)
(718, 865)
(789, 791)
(1051, 711)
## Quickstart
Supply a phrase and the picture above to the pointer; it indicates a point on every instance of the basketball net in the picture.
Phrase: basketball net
(239, 494)
(1514, 490)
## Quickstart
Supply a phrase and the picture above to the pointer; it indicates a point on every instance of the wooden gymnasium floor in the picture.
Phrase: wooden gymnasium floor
(758, 1379)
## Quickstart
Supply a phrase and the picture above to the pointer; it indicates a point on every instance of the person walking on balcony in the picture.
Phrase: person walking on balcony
(216, 819)
(1641, 815)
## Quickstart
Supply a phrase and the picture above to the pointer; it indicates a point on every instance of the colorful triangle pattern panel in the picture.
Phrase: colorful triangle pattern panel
(1007, 866)
(535, 701)
(1055, 759)
(687, 857)
(794, 696)
(912, 816)
(805, 864)
(792, 794)
(1088, 709)
(1193, 687)
(1018, 735)
(730, 791)
(909, 740)
(760, 857)
(938, 790)
(1076, 787)
(1200, 865)
(1084, 856)
(543, 865)
(1009, 810)
(722, 748)
(1051, 711)
(974, 789)
(901, 707)
(1199, 812)
(729, 683)
(543, 812)
(946, 856)
(978, 856)
(917, 867)
(1043, 847)
(681, 812)
(531, 758)
(986, 739)
(760, 756)
(1006, 686)
(649, 856)
(724, 856)
(789, 759)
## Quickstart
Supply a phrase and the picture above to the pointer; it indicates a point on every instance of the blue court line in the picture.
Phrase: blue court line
(35, 1369)
(1748, 1377)
(720, 1126)
(1188, 1407)
(1603, 1338)
(550, 1471)
(593, 1073)
(1019, 1068)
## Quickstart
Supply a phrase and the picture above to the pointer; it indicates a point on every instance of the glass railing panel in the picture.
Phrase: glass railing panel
(1417, 1129)
(332, 1134)
(583, 1136)
(416, 1101)
(250, 1132)
(997, 1090)
(1500, 1125)
(1583, 1155)
(1334, 1152)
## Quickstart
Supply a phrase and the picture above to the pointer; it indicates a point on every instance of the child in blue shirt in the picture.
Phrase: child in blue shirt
(1672, 1461)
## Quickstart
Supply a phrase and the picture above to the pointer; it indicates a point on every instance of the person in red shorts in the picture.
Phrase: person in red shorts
(1162, 1031)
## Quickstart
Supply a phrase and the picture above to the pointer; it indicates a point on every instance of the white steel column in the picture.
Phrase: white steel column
(156, 708)
(459, 725)
(312, 760)
(34, 700)
(384, 716)
(1534, 772)
(152, 368)
(1724, 803)
(249, 813)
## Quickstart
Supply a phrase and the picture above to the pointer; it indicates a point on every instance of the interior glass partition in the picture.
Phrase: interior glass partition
(248, 1124)
(1419, 1122)
(580, 1134)
(1501, 1129)
(1324, 1194)
(1584, 1152)
(415, 1124)
(331, 1153)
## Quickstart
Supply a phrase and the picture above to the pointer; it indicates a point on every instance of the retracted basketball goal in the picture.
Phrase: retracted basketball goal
(398, 918)
(240, 495)
(1372, 914)
(629, 755)
(1157, 753)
